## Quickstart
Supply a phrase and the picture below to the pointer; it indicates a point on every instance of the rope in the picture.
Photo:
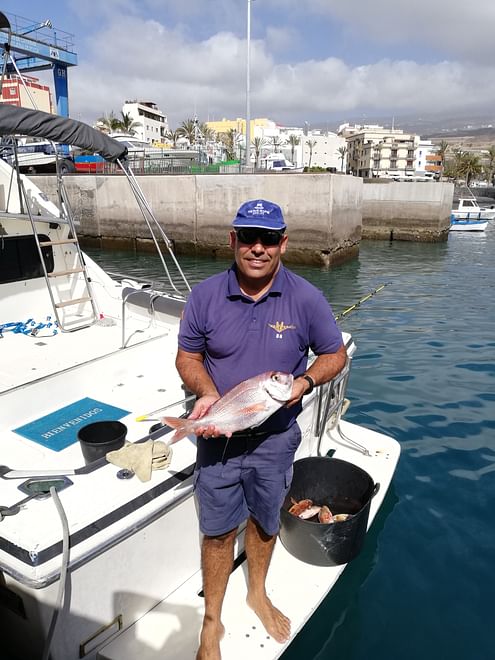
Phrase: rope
(63, 572)
(359, 302)
(30, 327)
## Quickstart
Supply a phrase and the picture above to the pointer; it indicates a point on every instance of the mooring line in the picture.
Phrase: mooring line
(359, 302)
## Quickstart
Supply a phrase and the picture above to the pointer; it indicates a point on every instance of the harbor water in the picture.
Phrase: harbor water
(424, 372)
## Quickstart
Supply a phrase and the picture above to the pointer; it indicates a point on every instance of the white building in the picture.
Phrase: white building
(321, 149)
(374, 151)
(425, 153)
(151, 123)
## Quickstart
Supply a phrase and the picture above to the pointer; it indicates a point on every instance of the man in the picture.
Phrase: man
(257, 316)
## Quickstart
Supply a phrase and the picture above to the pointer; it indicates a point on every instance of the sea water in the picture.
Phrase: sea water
(423, 586)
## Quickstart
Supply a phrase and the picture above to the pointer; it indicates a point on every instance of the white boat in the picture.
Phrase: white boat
(475, 223)
(37, 156)
(469, 209)
(95, 563)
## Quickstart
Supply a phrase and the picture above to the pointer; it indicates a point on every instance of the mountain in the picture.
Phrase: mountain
(433, 126)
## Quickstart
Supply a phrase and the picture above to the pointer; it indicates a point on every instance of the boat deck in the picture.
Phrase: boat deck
(138, 379)
(172, 628)
(27, 358)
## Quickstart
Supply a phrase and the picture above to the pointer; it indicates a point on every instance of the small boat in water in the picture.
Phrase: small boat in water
(475, 223)
(469, 209)
(94, 562)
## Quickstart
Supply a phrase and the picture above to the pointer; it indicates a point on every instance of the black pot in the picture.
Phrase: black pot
(98, 438)
(344, 488)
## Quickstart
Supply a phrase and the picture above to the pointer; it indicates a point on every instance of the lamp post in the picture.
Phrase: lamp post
(248, 87)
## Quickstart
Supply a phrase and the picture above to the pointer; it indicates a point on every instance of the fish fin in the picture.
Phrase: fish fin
(254, 408)
(174, 422)
(177, 423)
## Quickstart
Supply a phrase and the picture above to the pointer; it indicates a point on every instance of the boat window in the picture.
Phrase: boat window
(19, 258)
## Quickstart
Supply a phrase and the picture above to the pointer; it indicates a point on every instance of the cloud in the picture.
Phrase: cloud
(163, 62)
(455, 29)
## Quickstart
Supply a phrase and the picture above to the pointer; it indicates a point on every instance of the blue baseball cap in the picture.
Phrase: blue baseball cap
(261, 214)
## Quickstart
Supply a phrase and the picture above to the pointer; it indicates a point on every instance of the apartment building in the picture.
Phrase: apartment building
(151, 123)
(28, 94)
(427, 159)
(374, 151)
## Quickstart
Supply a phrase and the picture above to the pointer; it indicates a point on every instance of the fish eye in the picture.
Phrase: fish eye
(275, 377)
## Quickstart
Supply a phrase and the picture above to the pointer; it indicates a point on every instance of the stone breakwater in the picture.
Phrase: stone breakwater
(327, 214)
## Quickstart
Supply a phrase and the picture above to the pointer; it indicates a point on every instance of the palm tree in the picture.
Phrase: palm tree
(110, 122)
(470, 166)
(489, 168)
(276, 142)
(128, 124)
(311, 144)
(258, 144)
(342, 151)
(173, 136)
(294, 142)
(188, 130)
(442, 152)
(465, 165)
(229, 140)
(205, 131)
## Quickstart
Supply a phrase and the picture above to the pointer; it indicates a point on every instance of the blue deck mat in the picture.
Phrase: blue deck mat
(58, 430)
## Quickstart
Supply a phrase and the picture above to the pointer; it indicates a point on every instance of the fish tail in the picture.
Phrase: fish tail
(182, 428)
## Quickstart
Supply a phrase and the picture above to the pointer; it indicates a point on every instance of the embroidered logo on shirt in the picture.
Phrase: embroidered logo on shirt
(280, 328)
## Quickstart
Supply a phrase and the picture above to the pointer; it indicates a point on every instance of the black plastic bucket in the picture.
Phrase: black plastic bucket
(344, 488)
(98, 438)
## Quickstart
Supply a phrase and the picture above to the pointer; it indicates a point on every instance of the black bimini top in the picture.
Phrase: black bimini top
(22, 121)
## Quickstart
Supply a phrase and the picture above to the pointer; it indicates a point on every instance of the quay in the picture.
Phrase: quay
(328, 214)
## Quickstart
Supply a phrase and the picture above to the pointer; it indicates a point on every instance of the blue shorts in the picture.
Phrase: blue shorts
(244, 476)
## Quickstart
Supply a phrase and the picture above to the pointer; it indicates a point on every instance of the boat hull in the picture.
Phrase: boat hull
(468, 225)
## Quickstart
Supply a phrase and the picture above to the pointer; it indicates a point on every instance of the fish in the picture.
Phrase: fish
(342, 517)
(247, 405)
(325, 515)
(306, 509)
(299, 507)
(310, 513)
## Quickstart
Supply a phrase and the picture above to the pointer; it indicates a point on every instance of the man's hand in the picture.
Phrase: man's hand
(200, 409)
(193, 373)
(299, 387)
(202, 405)
(322, 370)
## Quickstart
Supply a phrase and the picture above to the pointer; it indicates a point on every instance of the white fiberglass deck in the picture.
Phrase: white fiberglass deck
(172, 628)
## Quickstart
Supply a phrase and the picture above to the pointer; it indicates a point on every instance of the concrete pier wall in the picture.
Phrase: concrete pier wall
(407, 211)
(326, 214)
(323, 212)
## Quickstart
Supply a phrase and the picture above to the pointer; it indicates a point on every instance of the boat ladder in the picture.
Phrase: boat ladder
(78, 269)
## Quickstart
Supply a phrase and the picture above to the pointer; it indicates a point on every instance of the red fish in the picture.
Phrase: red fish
(325, 515)
(310, 513)
(247, 405)
(299, 507)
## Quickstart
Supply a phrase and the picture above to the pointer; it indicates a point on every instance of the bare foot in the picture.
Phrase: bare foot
(209, 646)
(276, 624)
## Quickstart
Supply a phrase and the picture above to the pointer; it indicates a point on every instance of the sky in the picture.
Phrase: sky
(315, 61)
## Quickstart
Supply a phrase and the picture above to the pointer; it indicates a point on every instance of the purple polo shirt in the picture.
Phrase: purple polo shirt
(240, 337)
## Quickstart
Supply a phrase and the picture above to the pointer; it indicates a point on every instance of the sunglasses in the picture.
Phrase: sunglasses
(250, 235)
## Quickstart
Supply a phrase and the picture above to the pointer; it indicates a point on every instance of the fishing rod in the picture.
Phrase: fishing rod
(360, 302)
(150, 416)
